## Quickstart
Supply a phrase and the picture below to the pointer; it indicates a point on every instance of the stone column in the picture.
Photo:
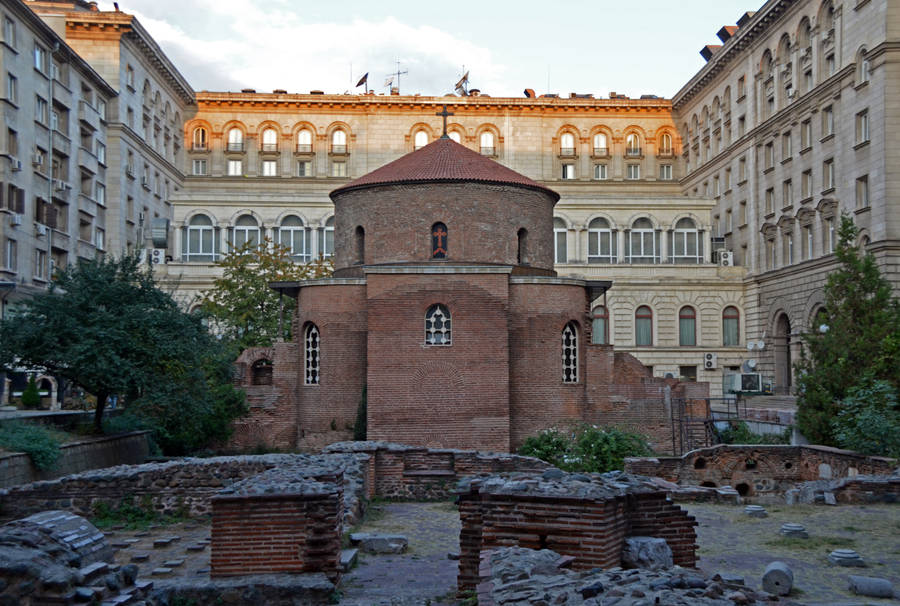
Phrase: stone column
(620, 246)
(664, 244)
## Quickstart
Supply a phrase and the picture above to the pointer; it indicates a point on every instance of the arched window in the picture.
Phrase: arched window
(359, 238)
(600, 325)
(304, 141)
(235, 140)
(731, 326)
(601, 147)
(326, 238)
(632, 145)
(199, 242)
(454, 136)
(437, 325)
(261, 372)
(439, 241)
(200, 139)
(643, 242)
(570, 353)
(687, 326)
(643, 326)
(567, 144)
(312, 353)
(487, 144)
(601, 242)
(522, 247)
(863, 69)
(245, 232)
(339, 142)
(292, 234)
(665, 144)
(560, 253)
(686, 246)
(421, 140)
(270, 140)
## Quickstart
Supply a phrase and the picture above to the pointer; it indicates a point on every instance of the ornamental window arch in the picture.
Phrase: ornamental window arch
(438, 325)
(686, 241)
(601, 139)
(312, 351)
(602, 240)
(731, 326)
(439, 241)
(200, 138)
(304, 136)
(293, 234)
(489, 140)
(268, 138)
(339, 136)
(234, 137)
(570, 354)
(200, 238)
(687, 326)
(666, 144)
(420, 135)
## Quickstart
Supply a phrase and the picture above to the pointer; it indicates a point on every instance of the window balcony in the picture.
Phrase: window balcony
(666, 153)
(235, 147)
(88, 115)
(269, 148)
(488, 151)
(567, 152)
(633, 152)
(339, 149)
(199, 147)
(304, 148)
(601, 152)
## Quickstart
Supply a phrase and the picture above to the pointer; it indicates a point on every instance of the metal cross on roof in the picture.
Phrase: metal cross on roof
(445, 113)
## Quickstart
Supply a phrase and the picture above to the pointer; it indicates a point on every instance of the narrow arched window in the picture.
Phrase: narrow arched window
(632, 145)
(487, 143)
(421, 140)
(600, 325)
(601, 147)
(643, 326)
(601, 242)
(643, 242)
(199, 239)
(686, 246)
(304, 141)
(360, 241)
(339, 142)
(235, 140)
(292, 234)
(437, 325)
(522, 247)
(570, 353)
(687, 326)
(312, 353)
(439, 241)
(665, 144)
(200, 139)
(270, 140)
(731, 326)
(245, 232)
(567, 144)
(454, 136)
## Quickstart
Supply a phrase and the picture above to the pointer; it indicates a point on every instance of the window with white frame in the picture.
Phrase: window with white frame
(665, 144)
(100, 194)
(339, 142)
(788, 240)
(665, 172)
(437, 325)
(770, 200)
(806, 184)
(687, 326)
(568, 170)
(686, 246)
(632, 171)
(199, 239)
(601, 242)
(311, 351)
(560, 233)
(199, 139)
(235, 168)
(769, 156)
(600, 172)
(864, 67)
(270, 168)
(41, 110)
(304, 141)
(420, 140)
(12, 89)
(827, 121)
(828, 233)
(487, 144)
(786, 146)
(198, 167)
(862, 191)
(632, 145)
(862, 126)
(643, 242)
(270, 140)
(10, 258)
(787, 193)
(338, 169)
(828, 174)
(643, 326)
(570, 353)
(567, 144)
(101, 153)
(326, 239)
(600, 325)
(807, 234)
(235, 140)
(731, 326)
(805, 134)
(245, 232)
(601, 146)
(304, 168)
(40, 58)
(294, 236)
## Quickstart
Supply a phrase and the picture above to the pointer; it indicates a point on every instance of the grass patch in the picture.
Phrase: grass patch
(134, 517)
(809, 544)
(852, 529)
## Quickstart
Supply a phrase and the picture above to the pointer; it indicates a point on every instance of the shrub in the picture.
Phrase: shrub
(739, 433)
(31, 397)
(39, 443)
(869, 419)
(586, 448)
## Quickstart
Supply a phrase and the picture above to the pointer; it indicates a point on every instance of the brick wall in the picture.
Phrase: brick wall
(272, 534)
(592, 531)
(760, 470)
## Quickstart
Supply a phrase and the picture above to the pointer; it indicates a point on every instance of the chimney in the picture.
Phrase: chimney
(709, 50)
(248, 90)
(529, 92)
(726, 32)
(395, 90)
(745, 18)
(279, 91)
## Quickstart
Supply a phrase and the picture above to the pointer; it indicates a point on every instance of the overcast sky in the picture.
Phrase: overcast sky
(590, 46)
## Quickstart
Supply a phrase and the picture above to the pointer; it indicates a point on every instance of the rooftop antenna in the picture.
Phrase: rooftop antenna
(397, 74)
(462, 87)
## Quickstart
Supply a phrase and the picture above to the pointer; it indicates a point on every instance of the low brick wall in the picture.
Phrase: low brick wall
(276, 523)
(398, 471)
(761, 471)
(184, 485)
(587, 517)
(127, 449)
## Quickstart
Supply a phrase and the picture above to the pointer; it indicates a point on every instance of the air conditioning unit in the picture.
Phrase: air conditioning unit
(60, 185)
(743, 382)
(157, 256)
(37, 159)
(15, 164)
(710, 361)
(40, 229)
(726, 258)
(16, 220)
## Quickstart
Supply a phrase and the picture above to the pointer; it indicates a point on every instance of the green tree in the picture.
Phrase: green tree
(242, 305)
(856, 339)
(104, 325)
(869, 419)
(31, 396)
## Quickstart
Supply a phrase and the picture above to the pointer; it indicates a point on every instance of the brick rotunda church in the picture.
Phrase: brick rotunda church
(445, 308)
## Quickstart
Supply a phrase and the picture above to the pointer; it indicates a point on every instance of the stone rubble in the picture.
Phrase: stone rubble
(379, 543)
(519, 576)
(646, 552)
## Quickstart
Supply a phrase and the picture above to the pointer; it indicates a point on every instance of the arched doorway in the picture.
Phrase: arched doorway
(782, 350)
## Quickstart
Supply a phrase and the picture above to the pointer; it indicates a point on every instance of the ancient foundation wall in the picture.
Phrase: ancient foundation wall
(760, 470)
(398, 471)
(132, 448)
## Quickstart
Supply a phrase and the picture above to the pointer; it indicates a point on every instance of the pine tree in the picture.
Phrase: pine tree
(856, 339)
(31, 397)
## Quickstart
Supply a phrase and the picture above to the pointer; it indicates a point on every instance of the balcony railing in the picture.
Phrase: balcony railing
(339, 149)
(199, 147)
(488, 151)
(567, 151)
(235, 147)
(633, 152)
(601, 152)
(269, 147)
(304, 148)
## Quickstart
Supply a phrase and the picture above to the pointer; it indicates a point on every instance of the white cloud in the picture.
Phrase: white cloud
(233, 44)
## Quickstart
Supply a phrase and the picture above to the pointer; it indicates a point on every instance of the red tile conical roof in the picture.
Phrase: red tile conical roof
(444, 161)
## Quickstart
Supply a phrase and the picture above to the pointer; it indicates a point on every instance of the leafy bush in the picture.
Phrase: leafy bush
(128, 422)
(134, 516)
(31, 397)
(586, 448)
(36, 441)
(739, 433)
(869, 419)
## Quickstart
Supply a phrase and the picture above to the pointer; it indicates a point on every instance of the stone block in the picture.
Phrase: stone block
(379, 543)
(778, 578)
(646, 552)
(872, 587)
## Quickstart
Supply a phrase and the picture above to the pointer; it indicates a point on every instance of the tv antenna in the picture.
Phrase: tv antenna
(390, 77)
